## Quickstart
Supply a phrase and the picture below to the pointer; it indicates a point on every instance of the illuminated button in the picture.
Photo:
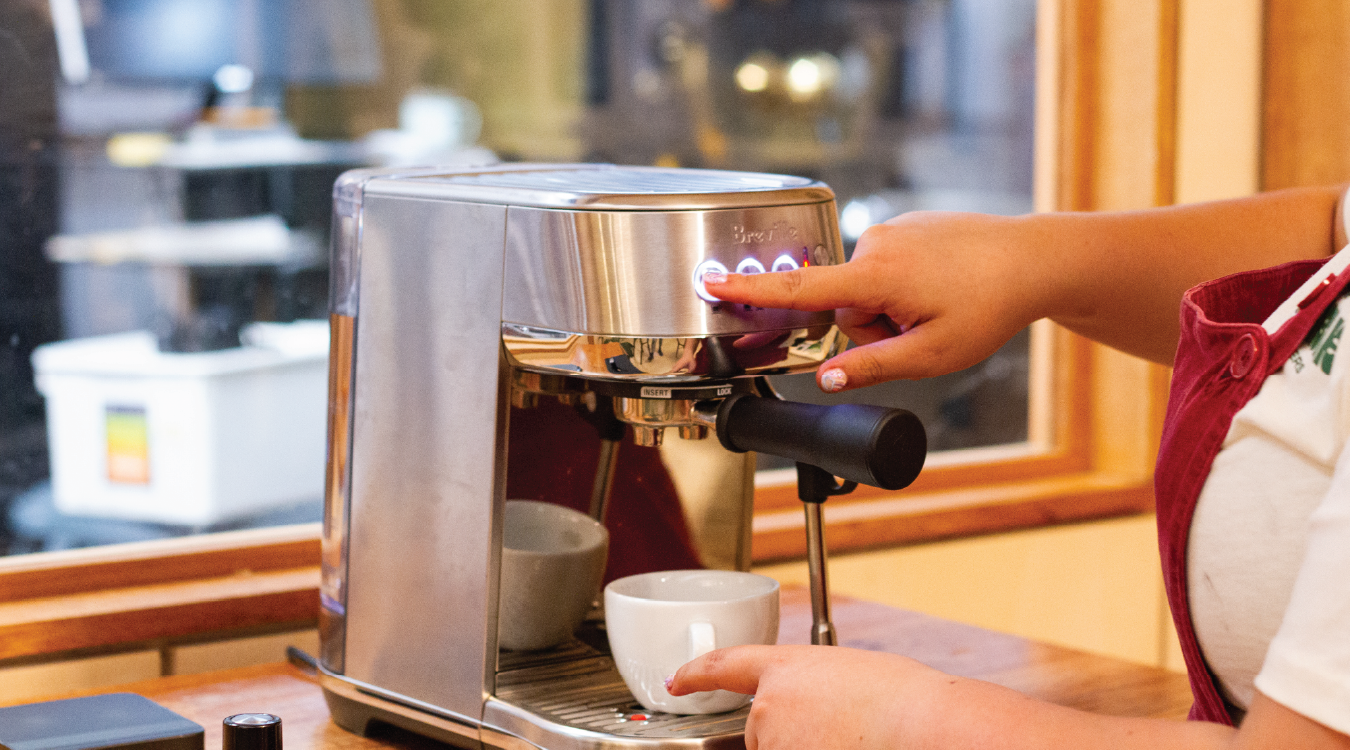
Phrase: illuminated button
(785, 262)
(750, 265)
(704, 267)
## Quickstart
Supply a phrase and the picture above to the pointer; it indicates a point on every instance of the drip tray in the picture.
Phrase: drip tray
(575, 691)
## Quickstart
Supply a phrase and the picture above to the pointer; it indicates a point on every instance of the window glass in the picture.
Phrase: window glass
(165, 176)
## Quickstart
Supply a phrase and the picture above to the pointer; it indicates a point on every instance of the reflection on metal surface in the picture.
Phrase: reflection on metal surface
(332, 587)
(354, 704)
(650, 417)
(693, 432)
(670, 360)
(562, 386)
(654, 412)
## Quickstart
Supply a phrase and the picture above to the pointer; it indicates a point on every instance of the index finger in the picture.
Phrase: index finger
(737, 669)
(814, 288)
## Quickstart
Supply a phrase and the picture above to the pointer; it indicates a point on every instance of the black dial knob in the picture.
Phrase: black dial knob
(252, 732)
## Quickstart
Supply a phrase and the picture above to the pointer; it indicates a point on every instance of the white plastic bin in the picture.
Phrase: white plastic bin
(191, 438)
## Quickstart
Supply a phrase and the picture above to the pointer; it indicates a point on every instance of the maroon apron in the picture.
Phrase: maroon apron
(1222, 359)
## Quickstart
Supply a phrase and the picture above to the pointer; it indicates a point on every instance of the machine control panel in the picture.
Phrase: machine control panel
(621, 273)
(788, 261)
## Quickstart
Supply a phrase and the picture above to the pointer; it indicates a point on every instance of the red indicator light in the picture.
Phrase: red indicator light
(638, 717)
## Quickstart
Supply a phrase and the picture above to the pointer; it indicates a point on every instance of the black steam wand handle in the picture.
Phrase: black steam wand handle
(869, 444)
(873, 445)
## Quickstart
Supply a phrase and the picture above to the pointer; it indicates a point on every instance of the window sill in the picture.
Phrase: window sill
(154, 593)
(924, 516)
(108, 599)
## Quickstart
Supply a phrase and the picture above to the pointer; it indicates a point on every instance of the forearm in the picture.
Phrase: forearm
(1118, 278)
(978, 714)
(836, 698)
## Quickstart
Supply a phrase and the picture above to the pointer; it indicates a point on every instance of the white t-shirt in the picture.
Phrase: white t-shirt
(1268, 560)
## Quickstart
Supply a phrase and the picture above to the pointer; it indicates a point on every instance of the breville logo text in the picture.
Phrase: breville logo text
(780, 231)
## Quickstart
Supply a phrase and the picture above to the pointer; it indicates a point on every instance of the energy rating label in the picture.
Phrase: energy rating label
(128, 445)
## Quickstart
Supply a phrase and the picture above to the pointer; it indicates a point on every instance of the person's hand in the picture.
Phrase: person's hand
(820, 697)
(831, 698)
(925, 294)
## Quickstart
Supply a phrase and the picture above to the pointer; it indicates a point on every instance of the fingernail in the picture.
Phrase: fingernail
(714, 277)
(833, 380)
(669, 681)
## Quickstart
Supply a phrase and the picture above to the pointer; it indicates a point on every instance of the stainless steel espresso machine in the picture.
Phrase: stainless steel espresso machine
(460, 297)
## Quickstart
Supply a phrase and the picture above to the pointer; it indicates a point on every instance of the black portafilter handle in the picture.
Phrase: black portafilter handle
(873, 445)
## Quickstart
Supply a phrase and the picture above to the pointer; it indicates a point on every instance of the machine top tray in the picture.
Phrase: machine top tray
(604, 187)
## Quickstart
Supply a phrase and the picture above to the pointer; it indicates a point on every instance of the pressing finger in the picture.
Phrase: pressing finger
(814, 289)
(737, 669)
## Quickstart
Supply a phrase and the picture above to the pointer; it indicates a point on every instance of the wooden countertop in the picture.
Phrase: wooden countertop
(1060, 675)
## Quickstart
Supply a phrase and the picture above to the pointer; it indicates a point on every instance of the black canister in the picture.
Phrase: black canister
(252, 732)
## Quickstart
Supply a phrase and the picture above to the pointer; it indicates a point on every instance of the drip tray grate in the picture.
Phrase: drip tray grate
(588, 694)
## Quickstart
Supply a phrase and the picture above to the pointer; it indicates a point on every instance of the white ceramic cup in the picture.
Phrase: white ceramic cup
(553, 560)
(659, 621)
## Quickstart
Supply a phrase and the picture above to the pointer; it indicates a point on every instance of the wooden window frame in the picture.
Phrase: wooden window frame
(1095, 413)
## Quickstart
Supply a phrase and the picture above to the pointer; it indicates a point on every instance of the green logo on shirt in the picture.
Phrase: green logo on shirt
(1325, 338)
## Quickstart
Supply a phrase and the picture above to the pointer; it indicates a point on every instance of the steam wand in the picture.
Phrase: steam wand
(873, 445)
(814, 486)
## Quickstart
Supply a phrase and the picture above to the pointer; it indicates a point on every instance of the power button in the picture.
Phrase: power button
(704, 267)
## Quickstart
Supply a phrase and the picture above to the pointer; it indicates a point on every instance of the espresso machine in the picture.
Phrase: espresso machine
(459, 298)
